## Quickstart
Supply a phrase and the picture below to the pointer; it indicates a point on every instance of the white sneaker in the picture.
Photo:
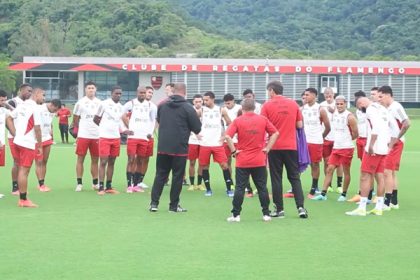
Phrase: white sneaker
(394, 206)
(1, 195)
(79, 188)
(236, 219)
(95, 187)
(266, 218)
(357, 212)
(143, 185)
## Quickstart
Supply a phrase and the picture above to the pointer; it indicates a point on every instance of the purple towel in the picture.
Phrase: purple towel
(302, 148)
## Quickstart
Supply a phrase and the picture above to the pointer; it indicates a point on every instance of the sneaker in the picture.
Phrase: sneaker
(44, 188)
(208, 193)
(266, 218)
(376, 212)
(310, 196)
(355, 198)
(341, 198)
(288, 195)
(1, 195)
(178, 209)
(138, 189)
(184, 182)
(302, 213)
(112, 191)
(191, 188)
(101, 192)
(79, 188)
(339, 190)
(277, 214)
(201, 188)
(357, 212)
(129, 189)
(375, 200)
(153, 208)
(317, 191)
(230, 193)
(330, 189)
(143, 185)
(233, 219)
(95, 187)
(394, 206)
(249, 194)
(319, 197)
(386, 208)
(26, 203)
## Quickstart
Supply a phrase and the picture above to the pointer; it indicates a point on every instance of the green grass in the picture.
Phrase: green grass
(84, 236)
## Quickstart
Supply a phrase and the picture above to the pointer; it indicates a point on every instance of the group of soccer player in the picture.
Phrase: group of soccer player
(330, 129)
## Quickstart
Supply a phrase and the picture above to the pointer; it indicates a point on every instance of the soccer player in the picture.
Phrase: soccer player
(249, 94)
(344, 128)
(25, 91)
(63, 123)
(87, 134)
(317, 127)
(373, 160)
(233, 110)
(140, 114)
(285, 115)
(392, 161)
(108, 118)
(4, 113)
(211, 141)
(194, 151)
(251, 156)
(47, 112)
(24, 124)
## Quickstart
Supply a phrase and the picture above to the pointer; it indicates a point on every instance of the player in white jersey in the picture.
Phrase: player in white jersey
(317, 126)
(344, 127)
(379, 123)
(109, 120)
(392, 161)
(330, 108)
(24, 124)
(4, 113)
(25, 91)
(249, 94)
(87, 134)
(194, 151)
(140, 114)
(211, 141)
(47, 112)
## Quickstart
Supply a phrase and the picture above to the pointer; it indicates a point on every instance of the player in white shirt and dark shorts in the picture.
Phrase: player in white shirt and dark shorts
(87, 134)
(47, 113)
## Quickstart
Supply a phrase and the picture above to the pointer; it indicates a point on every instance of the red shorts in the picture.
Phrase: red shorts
(227, 150)
(360, 144)
(3, 155)
(150, 147)
(341, 157)
(193, 151)
(139, 147)
(13, 151)
(327, 148)
(109, 147)
(83, 144)
(315, 152)
(47, 143)
(392, 161)
(373, 164)
(218, 153)
(26, 156)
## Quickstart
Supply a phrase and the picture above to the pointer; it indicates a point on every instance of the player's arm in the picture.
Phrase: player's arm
(299, 119)
(10, 125)
(405, 126)
(324, 119)
(98, 116)
(225, 116)
(352, 123)
(273, 133)
(230, 132)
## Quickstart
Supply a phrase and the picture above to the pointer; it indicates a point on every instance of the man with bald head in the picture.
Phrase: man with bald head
(176, 118)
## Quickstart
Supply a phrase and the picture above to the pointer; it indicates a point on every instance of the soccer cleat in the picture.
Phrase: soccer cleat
(191, 188)
(208, 193)
(310, 196)
(375, 200)
(319, 197)
(138, 189)
(339, 190)
(249, 194)
(230, 193)
(376, 212)
(26, 203)
(303, 214)
(357, 212)
(143, 185)
(201, 187)
(79, 188)
(277, 214)
(317, 191)
(266, 218)
(341, 198)
(178, 209)
(95, 187)
(288, 195)
(386, 208)
(330, 189)
(101, 192)
(44, 188)
(112, 191)
(355, 198)
(129, 189)
(1, 195)
(233, 219)
(153, 208)
(394, 206)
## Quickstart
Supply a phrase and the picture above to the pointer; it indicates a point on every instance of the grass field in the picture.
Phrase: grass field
(84, 236)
